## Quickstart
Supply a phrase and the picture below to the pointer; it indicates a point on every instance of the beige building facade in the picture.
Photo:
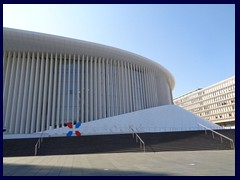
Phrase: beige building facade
(215, 103)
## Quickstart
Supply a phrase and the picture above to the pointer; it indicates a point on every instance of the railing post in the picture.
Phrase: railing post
(233, 145)
(35, 149)
(212, 135)
(221, 139)
(141, 143)
(205, 131)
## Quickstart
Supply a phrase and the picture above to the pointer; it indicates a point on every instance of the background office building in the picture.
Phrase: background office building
(215, 103)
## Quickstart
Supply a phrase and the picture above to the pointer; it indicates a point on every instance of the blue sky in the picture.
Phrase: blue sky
(196, 43)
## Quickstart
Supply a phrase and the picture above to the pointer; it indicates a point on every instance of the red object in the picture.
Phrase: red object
(70, 125)
(77, 133)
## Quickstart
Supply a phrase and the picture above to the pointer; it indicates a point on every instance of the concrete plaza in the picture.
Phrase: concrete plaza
(177, 163)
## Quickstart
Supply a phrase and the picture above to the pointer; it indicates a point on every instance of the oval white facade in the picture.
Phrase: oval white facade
(50, 80)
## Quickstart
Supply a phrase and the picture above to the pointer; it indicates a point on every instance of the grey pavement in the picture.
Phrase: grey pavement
(175, 163)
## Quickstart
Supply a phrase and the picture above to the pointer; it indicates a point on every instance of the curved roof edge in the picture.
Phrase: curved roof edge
(15, 39)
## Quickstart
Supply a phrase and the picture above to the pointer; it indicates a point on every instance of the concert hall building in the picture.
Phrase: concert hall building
(50, 80)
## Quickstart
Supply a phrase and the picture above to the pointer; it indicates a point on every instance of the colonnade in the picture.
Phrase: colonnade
(45, 90)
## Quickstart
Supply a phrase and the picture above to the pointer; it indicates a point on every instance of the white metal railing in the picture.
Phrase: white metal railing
(221, 136)
(37, 145)
(141, 142)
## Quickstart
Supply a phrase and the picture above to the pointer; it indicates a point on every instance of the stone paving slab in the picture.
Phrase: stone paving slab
(181, 163)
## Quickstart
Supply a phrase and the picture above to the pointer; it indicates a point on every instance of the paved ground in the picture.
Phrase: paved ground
(188, 163)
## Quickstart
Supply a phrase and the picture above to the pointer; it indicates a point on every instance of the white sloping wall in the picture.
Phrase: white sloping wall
(158, 119)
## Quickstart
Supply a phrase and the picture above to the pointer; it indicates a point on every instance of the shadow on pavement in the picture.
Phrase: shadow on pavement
(37, 170)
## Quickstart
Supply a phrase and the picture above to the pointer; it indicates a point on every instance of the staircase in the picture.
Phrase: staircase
(19, 147)
(89, 144)
(186, 141)
(119, 143)
(72, 145)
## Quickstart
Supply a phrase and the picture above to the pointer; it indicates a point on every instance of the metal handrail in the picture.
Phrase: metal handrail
(221, 135)
(37, 145)
(141, 142)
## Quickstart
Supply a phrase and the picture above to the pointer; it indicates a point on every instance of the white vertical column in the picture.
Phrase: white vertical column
(20, 96)
(133, 87)
(119, 87)
(116, 105)
(111, 89)
(78, 89)
(35, 95)
(152, 87)
(64, 88)
(136, 87)
(49, 101)
(103, 89)
(107, 89)
(54, 122)
(143, 88)
(25, 95)
(129, 87)
(159, 90)
(6, 85)
(4, 65)
(99, 90)
(157, 87)
(59, 91)
(86, 90)
(123, 89)
(40, 97)
(69, 84)
(82, 92)
(91, 89)
(126, 86)
(146, 87)
(73, 92)
(148, 92)
(45, 93)
(30, 95)
(15, 94)
(10, 93)
(140, 87)
(95, 89)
